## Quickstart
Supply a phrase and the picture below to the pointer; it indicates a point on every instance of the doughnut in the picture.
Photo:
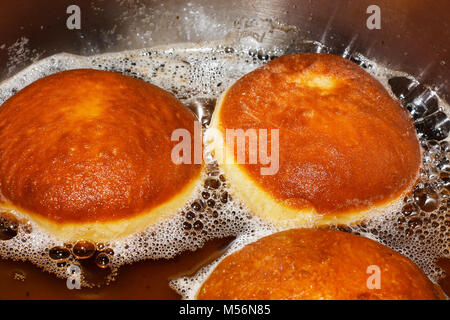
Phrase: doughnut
(345, 147)
(86, 154)
(316, 264)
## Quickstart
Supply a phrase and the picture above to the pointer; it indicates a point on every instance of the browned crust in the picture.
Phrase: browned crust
(345, 143)
(315, 264)
(91, 146)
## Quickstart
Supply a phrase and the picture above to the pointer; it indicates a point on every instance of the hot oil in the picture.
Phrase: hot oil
(141, 280)
(194, 74)
(197, 75)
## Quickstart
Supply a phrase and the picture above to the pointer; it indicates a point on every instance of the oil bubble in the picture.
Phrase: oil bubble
(83, 250)
(59, 253)
(102, 260)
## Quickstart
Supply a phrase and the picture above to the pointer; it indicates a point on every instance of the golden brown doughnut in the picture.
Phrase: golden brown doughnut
(87, 154)
(316, 264)
(346, 147)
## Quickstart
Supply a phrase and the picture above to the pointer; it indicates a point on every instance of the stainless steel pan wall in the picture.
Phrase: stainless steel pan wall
(414, 35)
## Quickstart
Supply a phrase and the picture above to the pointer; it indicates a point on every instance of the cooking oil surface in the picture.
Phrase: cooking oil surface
(142, 280)
(197, 74)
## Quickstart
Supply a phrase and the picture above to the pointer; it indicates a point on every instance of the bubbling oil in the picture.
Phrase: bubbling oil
(417, 226)
(197, 74)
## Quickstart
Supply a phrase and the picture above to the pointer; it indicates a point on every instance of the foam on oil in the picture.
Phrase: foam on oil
(197, 74)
